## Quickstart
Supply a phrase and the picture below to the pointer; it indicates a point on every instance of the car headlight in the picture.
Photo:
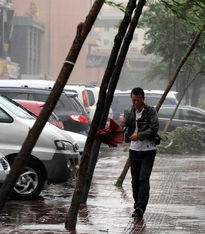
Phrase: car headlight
(65, 145)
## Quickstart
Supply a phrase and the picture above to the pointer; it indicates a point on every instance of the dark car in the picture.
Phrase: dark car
(122, 101)
(69, 109)
(185, 115)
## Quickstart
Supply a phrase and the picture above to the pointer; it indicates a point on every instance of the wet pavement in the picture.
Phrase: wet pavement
(176, 206)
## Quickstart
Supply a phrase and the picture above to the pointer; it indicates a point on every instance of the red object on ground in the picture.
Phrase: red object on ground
(112, 135)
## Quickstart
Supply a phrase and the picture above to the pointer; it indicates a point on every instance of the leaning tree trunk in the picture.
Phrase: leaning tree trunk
(108, 73)
(123, 174)
(179, 66)
(82, 31)
(179, 102)
(169, 86)
(86, 157)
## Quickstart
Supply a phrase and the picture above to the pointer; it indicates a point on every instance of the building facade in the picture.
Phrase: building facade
(51, 31)
(44, 32)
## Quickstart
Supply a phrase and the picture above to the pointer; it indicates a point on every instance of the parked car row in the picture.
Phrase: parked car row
(68, 108)
(87, 94)
(122, 101)
(58, 151)
(53, 157)
(185, 115)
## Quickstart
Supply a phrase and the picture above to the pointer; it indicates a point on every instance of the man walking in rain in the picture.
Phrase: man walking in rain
(141, 123)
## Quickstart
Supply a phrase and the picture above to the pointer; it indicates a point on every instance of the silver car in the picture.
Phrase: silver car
(51, 159)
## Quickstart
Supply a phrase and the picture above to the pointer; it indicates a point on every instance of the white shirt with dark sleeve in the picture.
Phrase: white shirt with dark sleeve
(144, 145)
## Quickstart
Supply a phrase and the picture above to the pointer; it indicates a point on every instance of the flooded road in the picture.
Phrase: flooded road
(177, 201)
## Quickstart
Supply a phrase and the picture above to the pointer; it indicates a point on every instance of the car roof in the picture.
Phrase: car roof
(83, 84)
(183, 107)
(31, 84)
(34, 89)
(25, 83)
(160, 92)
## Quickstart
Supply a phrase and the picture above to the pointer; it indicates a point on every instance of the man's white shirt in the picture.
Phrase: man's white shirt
(144, 145)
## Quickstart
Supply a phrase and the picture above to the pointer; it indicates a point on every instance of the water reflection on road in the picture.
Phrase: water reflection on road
(176, 204)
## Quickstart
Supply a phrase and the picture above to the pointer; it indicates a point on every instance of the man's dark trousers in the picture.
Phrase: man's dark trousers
(141, 163)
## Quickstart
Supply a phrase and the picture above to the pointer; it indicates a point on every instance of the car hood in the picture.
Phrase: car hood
(46, 139)
(51, 131)
(73, 137)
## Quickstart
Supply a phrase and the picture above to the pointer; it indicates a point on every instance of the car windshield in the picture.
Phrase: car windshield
(123, 102)
(15, 109)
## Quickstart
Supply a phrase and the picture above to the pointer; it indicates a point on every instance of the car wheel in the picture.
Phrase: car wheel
(30, 183)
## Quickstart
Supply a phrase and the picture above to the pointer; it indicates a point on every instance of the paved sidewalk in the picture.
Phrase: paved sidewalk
(177, 202)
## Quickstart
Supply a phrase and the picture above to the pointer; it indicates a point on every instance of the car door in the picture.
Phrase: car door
(13, 133)
(165, 114)
(193, 117)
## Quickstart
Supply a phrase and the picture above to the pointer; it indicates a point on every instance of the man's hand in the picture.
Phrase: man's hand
(134, 137)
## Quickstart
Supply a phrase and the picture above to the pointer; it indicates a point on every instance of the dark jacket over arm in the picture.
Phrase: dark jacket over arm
(148, 124)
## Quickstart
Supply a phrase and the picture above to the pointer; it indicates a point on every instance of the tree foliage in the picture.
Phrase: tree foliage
(192, 12)
(120, 6)
(185, 140)
(171, 27)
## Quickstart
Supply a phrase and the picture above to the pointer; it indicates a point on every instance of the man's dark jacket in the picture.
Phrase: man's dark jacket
(148, 124)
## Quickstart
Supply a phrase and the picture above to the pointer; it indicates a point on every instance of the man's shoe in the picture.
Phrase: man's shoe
(138, 212)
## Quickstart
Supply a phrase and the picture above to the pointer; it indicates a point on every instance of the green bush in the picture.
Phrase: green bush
(185, 140)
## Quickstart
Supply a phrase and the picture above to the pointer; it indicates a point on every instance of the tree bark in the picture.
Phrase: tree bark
(82, 31)
(169, 86)
(121, 178)
(175, 110)
(86, 157)
(106, 78)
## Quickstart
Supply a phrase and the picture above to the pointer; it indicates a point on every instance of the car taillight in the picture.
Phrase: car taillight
(78, 118)
(121, 119)
(85, 100)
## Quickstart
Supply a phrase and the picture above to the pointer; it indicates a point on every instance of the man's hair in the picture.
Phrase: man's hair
(137, 91)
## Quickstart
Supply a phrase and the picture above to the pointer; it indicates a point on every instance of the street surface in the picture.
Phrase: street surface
(177, 202)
